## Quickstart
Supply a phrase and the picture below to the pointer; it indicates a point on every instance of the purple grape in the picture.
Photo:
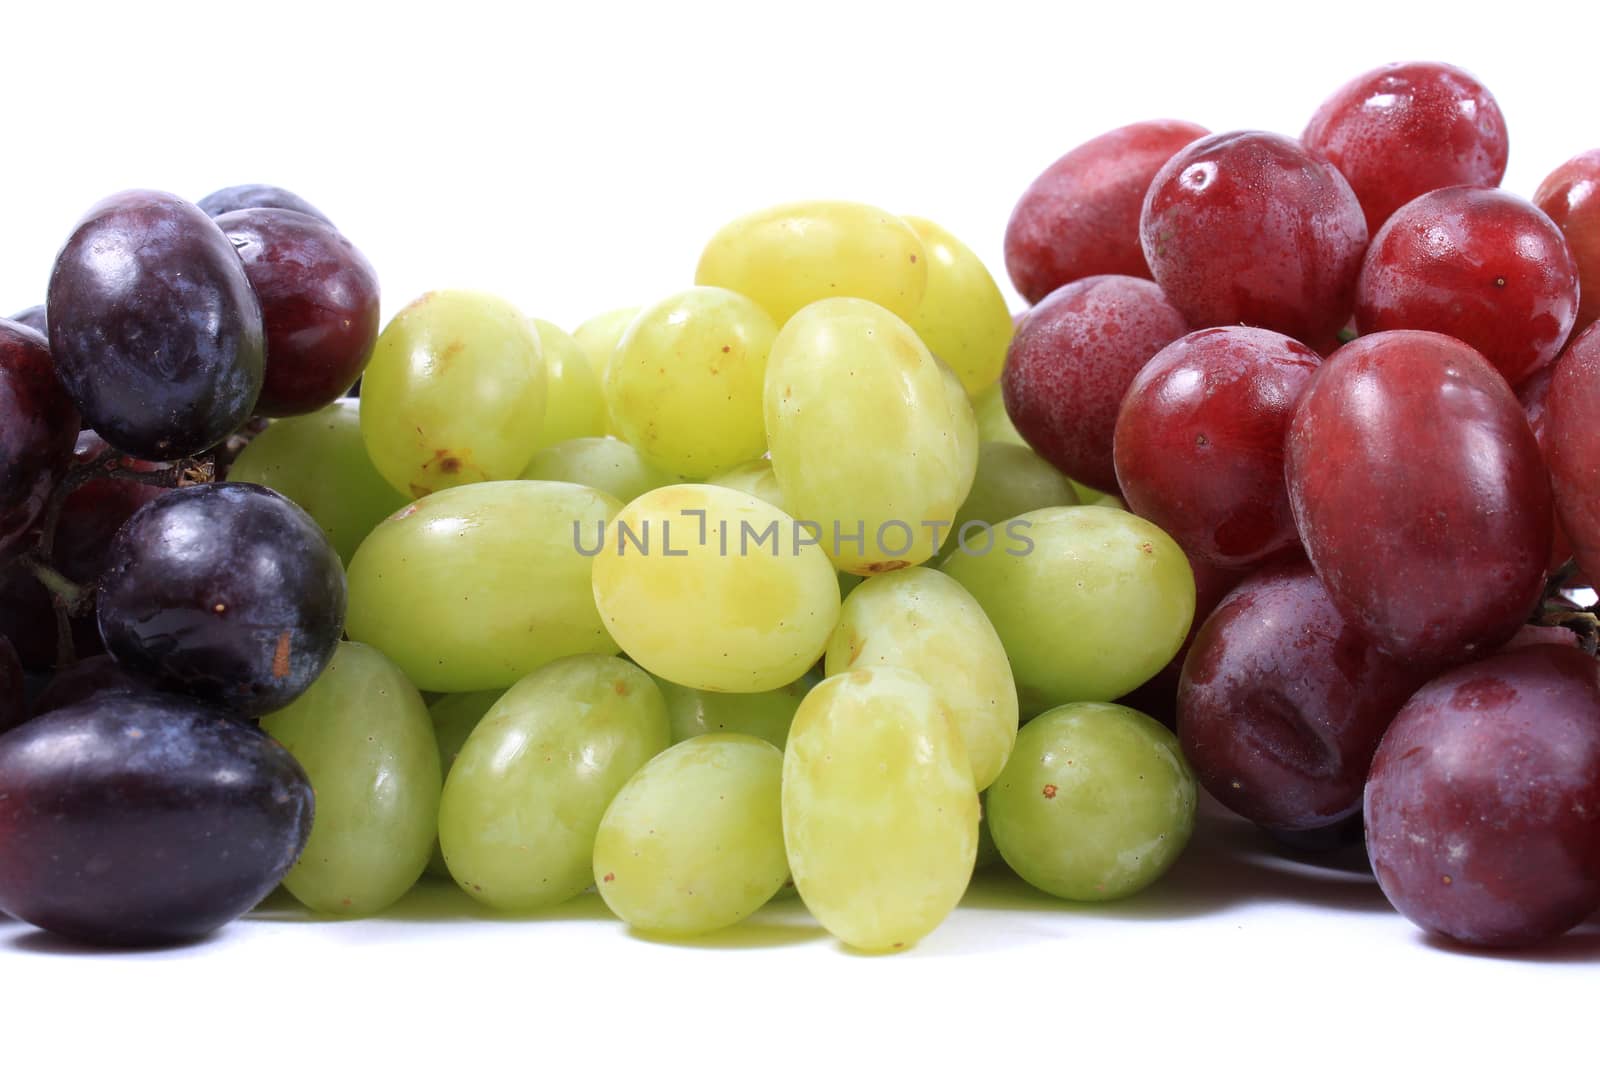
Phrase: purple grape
(243, 197)
(13, 688)
(38, 426)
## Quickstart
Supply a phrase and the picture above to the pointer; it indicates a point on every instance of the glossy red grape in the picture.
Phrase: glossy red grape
(1571, 197)
(144, 820)
(1574, 448)
(1483, 805)
(1249, 228)
(1480, 265)
(319, 303)
(1070, 363)
(1409, 128)
(33, 317)
(227, 591)
(1282, 703)
(1534, 393)
(13, 688)
(154, 328)
(244, 197)
(1081, 216)
(1420, 495)
(1199, 442)
(38, 426)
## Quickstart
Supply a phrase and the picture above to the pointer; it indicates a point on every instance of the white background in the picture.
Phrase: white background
(574, 157)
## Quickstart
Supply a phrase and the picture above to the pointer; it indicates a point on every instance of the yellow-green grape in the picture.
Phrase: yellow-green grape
(755, 478)
(880, 819)
(473, 587)
(604, 463)
(788, 256)
(363, 735)
(1089, 602)
(320, 462)
(455, 716)
(455, 393)
(765, 715)
(694, 842)
(598, 338)
(993, 422)
(527, 791)
(575, 405)
(1012, 479)
(1096, 803)
(926, 623)
(963, 318)
(872, 439)
(684, 386)
(715, 589)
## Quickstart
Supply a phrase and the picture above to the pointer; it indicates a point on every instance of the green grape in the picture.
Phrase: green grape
(993, 422)
(473, 587)
(524, 799)
(873, 440)
(765, 715)
(455, 393)
(684, 386)
(598, 338)
(1096, 803)
(694, 842)
(454, 716)
(963, 318)
(1089, 602)
(1011, 480)
(755, 478)
(788, 256)
(320, 462)
(880, 819)
(926, 623)
(363, 735)
(575, 405)
(602, 463)
(715, 589)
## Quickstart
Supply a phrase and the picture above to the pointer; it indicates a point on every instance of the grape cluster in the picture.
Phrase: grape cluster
(826, 570)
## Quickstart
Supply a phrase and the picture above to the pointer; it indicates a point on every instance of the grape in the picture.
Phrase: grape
(1406, 129)
(155, 331)
(502, 570)
(455, 716)
(694, 842)
(1571, 197)
(1199, 442)
(1089, 602)
(455, 393)
(993, 423)
(756, 478)
(1574, 404)
(575, 405)
(684, 387)
(1282, 703)
(94, 676)
(963, 317)
(1483, 806)
(1011, 480)
(1249, 228)
(34, 318)
(129, 820)
(320, 462)
(1095, 804)
(924, 622)
(695, 712)
(38, 426)
(880, 819)
(1081, 216)
(363, 735)
(319, 306)
(714, 589)
(598, 338)
(245, 197)
(27, 620)
(604, 463)
(1071, 362)
(1158, 698)
(872, 439)
(524, 800)
(14, 709)
(1480, 265)
(1420, 495)
(987, 854)
(1534, 395)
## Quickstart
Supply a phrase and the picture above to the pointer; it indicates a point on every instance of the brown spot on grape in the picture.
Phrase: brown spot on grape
(450, 465)
(1147, 548)
(280, 656)
(913, 257)
(621, 687)
(1500, 283)
(1448, 880)
(1049, 792)
(220, 608)
(726, 349)
(887, 565)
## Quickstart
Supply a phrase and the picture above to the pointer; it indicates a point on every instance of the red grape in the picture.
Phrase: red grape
(1199, 442)
(1574, 449)
(1409, 128)
(1480, 265)
(1081, 216)
(1483, 804)
(33, 317)
(1534, 393)
(1250, 228)
(38, 426)
(1571, 197)
(1070, 363)
(1419, 492)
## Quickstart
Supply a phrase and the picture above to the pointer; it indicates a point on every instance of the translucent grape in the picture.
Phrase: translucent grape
(598, 337)
(574, 406)
(755, 478)
(963, 318)
(602, 463)
(1012, 479)
(695, 712)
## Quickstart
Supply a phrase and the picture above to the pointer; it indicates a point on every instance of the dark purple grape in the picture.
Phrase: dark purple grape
(144, 820)
(88, 678)
(1483, 805)
(33, 317)
(13, 688)
(243, 197)
(38, 426)
(319, 301)
(226, 591)
(155, 330)
(1347, 833)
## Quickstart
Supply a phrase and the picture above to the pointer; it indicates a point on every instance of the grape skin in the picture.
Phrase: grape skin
(1571, 197)
(604, 463)
(246, 197)
(696, 712)
(963, 317)
(575, 405)
(38, 427)
(1574, 401)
